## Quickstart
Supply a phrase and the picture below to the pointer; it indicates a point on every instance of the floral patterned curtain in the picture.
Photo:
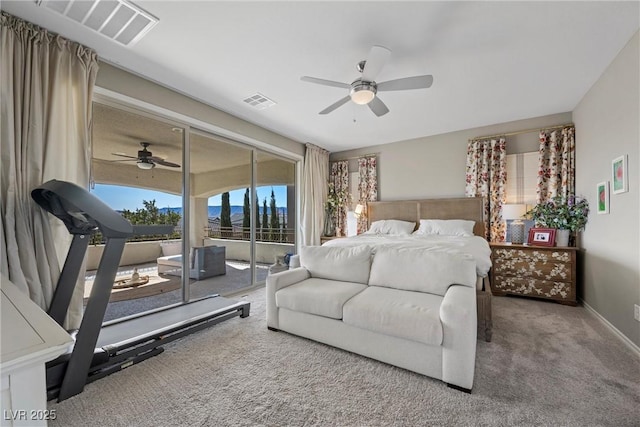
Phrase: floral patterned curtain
(486, 177)
(556, 172)
(367, 187)
(340, 178)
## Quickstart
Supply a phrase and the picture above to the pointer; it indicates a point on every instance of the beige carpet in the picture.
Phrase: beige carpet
(548, 365)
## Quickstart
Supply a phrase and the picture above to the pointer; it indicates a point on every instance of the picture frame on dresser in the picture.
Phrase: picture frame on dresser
(542, 237)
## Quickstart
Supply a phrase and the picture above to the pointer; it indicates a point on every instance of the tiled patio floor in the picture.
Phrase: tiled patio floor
(166, 289)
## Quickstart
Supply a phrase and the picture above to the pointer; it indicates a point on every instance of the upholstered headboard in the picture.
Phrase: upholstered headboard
(469, 208)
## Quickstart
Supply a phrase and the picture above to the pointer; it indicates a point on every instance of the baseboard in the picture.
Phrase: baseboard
(615, 330)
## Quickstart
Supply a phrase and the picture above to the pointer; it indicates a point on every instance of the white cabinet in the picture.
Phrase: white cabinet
(29, 339)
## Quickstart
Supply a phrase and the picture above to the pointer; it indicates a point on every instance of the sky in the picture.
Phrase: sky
(120, 197)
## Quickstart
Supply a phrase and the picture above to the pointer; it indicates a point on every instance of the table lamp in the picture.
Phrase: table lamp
(515, 212)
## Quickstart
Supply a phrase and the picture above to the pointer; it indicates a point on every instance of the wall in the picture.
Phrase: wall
(435, 166)
(608, 125)
(238, 250)
(133, 253)
(120, 81)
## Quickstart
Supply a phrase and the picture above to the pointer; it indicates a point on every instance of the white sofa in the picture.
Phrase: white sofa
(412, 308)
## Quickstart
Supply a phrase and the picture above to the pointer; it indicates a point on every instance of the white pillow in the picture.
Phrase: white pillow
(391, 226)
(344, 264)
(446, 227)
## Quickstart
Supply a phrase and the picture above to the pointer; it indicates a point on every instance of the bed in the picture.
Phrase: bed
(468, 208)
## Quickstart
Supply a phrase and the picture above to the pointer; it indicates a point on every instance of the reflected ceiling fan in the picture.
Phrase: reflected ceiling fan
(146, 159)
(363, 90)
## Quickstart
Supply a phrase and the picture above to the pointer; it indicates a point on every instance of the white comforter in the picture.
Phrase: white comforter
(475, 245)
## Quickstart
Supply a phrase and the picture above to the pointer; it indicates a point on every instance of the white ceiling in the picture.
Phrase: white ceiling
(492, 62)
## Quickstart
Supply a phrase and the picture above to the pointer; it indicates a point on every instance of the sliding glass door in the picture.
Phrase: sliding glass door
(137, 171)
(219, 215)
(231, 208)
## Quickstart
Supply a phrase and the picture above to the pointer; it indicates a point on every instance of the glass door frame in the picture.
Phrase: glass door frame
(189, 124)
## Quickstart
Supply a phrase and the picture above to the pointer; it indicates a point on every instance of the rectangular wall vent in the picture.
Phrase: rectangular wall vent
(119, 20)
(259, 101)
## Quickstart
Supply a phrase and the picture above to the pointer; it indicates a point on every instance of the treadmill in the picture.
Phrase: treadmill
(101, 349)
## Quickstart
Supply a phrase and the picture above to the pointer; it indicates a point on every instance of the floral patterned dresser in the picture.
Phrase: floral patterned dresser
(535, 271)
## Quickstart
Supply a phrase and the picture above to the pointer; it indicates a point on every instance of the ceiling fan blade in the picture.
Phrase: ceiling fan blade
(325, 82)
(133, 159)
(335, 105)
(163, 162)
(123, 155)
(378, 107)
(417, 82)
(378, 57)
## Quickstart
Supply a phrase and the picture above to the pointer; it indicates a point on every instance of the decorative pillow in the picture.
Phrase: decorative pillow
(345, 264)
(446, 227)
(391, 226)
(422, 269)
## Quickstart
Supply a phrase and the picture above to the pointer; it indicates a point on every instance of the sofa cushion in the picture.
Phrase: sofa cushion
(350, 264)
(321, 297)
(402, 314)
(171, 248)
(422, 270)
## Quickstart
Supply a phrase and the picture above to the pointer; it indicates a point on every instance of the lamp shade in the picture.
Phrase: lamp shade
(358, 210)
(513, 211)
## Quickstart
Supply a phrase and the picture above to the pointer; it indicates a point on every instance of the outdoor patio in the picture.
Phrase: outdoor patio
(162, 290)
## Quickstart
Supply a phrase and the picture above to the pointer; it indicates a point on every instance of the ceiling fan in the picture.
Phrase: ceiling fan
(146, 159)
(363, 90)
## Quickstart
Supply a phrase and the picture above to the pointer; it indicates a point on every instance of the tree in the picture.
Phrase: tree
(265, 220)
(225, 211)
(246, 212)
(275, 222)
(284, 227)
(257, 215)
(148, 215)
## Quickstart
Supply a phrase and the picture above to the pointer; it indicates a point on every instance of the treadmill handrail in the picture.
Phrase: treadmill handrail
(80, 211)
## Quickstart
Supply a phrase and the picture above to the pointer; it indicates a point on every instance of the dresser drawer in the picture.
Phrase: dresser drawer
(534, 268)
(556, 290)
(531, 255)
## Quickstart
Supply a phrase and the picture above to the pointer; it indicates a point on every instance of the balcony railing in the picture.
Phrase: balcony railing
(282, 235)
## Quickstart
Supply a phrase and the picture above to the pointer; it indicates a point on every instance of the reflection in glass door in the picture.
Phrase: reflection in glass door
(275, 233)
(220, 215)
(136, 166)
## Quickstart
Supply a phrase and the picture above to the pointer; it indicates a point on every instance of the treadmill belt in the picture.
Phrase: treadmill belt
(149, 325)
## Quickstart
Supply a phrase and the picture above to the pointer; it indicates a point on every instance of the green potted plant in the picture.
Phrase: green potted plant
(570, 214)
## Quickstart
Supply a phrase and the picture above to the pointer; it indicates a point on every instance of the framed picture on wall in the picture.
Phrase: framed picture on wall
(542, 236)
(619, 174)
(603, 197)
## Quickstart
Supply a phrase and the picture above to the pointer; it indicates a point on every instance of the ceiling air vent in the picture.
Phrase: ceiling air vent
(119, 20)
(259, 101)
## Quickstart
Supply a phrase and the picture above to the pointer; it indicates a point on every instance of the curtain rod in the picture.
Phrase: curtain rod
(520, 132)
(354, 157)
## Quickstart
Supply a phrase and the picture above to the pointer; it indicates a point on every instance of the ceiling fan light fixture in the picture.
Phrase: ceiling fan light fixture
(144, 164)
(363, 93)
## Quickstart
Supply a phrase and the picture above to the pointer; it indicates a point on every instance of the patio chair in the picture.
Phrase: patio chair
(205, 261)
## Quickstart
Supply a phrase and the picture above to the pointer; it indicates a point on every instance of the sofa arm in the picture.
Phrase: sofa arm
(277, 281)
(459, 327)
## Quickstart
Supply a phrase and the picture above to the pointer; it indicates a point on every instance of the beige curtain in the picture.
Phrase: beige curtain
(47, 84)
(486, 176)
(314, 193)
(557, 164)
(340, 179)
(367, 187)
